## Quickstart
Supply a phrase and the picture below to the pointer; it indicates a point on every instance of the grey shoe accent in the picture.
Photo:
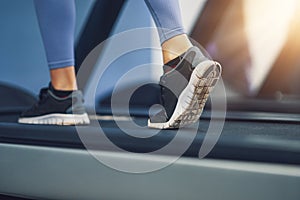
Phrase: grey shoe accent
(77, 103)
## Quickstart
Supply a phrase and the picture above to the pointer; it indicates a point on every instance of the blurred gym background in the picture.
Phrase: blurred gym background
(256, 42)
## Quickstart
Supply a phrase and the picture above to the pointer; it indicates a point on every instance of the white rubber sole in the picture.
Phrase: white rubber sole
(193, 98)
(57, 119)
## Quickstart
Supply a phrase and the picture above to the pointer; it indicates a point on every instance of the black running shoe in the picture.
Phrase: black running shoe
(185, 90)
(54, 110)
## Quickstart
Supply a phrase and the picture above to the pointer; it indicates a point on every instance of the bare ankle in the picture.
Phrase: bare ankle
(175, 46)
(64, 78)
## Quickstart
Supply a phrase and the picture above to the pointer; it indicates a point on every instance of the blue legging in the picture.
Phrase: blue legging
(57, 24)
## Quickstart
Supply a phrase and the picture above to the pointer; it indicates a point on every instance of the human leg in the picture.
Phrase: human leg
(61, 103)
(167, 17)
(57, 24)
(188, 76)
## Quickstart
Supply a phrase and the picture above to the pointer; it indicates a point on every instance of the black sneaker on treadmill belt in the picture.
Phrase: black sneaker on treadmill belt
(54, 110)
(185, 90)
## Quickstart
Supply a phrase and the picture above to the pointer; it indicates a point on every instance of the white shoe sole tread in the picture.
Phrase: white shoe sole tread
(57, 119)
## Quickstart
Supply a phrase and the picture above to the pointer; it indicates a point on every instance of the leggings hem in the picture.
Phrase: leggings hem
(170, 34)
(61, 64)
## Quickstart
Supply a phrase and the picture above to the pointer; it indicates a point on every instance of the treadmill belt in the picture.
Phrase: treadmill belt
(240, 140)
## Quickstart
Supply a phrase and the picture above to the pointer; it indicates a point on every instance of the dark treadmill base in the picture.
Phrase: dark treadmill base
(240, 140)
(5, 197)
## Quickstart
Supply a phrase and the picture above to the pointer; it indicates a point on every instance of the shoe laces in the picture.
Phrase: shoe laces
(43, 94)
(42, 98)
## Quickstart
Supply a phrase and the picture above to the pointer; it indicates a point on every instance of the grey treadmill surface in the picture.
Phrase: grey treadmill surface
(39, 172)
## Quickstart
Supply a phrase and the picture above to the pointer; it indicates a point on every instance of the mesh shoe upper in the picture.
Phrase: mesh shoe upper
(48, 104)
(174, 82)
